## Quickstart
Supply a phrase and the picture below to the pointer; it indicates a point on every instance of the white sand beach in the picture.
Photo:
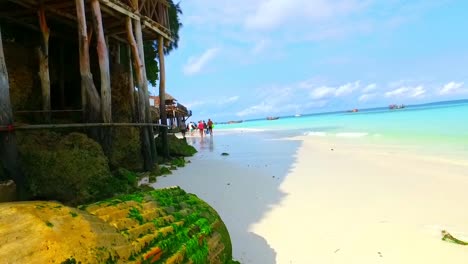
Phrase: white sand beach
(327, 200)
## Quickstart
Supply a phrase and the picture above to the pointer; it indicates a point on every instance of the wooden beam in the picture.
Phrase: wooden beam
(43, 53)
(154, 27)
(120, 9)
(54, 126)
(8, 148)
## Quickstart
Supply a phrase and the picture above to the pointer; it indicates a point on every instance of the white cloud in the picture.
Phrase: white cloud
(322, 92)
(262, 108)
(195, 65)
(273, 13)
(369, 88)
(418, 91)
(367, 97)
(347, 88)
(451, 88)
(407, 91)
(231, 99)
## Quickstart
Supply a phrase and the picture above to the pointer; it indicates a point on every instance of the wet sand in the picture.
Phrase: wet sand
(326, 200)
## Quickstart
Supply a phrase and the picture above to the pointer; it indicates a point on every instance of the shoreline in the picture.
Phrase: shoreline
(308, 204)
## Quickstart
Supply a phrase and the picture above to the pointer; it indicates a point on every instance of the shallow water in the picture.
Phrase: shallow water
(440, 125)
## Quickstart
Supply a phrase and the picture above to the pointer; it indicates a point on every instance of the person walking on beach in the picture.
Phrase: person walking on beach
(201, 128)
(210, 126)
(205, 127)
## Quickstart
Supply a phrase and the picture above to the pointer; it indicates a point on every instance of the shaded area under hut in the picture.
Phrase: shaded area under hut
(80, 66)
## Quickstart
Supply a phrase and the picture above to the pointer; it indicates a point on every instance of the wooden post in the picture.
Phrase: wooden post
(162, 96)
(43, 53)
(131, 84)
(139, 68)
(90, 97)
(144, 87)
(8, 148)
(103, 56)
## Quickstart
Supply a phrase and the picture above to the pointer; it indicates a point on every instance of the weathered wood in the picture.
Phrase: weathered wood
(139, 41)
(103, 57)
(131, 84)
(162, 96)
(8, 148)
(43, 53)
(148, 160)
(120, 9)
(89, 95)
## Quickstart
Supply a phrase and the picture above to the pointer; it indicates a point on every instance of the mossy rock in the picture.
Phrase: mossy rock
(160, 226)
(178, 147)
(71, 169)
(126, 149)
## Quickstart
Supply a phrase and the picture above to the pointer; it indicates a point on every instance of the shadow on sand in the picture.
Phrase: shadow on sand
(243, 187)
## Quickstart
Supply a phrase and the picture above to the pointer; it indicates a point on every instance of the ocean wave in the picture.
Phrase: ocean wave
(352, 134)
(315, 134)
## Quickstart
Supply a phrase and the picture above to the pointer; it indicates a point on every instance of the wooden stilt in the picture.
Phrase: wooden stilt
(8, 148)
(90, 97)
(103, 57)
(131, 85)
(144, 87)
(139, 68)
(162, 96)
(43, 53)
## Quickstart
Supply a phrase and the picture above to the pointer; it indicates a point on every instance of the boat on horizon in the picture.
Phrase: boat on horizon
(355, 110)
(395, 106)
(272, 118)
(235, 122)
(297, 115)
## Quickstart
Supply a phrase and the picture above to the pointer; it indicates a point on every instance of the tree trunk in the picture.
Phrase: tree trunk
(131, 85)
(90, 97)
(43, 53)
(162, 96)
(8, 148)
(103, 57)
(139, 41)
(139, 68)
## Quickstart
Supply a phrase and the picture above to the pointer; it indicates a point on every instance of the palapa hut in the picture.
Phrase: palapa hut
(176, 113)
(75, 64)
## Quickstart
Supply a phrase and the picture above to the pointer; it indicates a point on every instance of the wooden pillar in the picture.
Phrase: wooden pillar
(162, 96)
(90, 97)
(139, 68)
(144, 87)
(43, 53)
(131, 85)
(103, 57)
(8, 148)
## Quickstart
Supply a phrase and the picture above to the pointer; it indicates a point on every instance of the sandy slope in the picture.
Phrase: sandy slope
(290, 201)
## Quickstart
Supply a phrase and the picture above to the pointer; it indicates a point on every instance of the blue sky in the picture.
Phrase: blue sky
(249, 59)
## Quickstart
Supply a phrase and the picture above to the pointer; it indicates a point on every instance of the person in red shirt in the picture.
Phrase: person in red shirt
(201, 128)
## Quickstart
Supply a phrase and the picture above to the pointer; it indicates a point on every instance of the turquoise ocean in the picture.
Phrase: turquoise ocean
(442, 124)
